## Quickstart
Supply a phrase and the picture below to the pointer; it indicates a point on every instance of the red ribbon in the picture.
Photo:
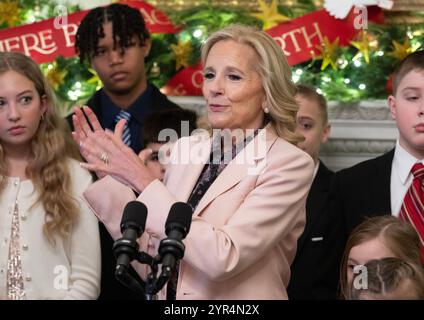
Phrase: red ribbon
(45, 40)
(298, 39)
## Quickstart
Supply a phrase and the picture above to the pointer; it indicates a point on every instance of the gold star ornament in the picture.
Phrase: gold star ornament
(55, 76)
(365, 44)
(400, 51)
(269, 15)
(9, 13)
(329, 53)
(182, 52)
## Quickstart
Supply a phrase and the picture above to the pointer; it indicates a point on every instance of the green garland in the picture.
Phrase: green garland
(351, 81)
(35, 10)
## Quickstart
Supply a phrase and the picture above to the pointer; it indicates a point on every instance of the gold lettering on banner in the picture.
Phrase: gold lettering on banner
(179, 90)
(152, 18)
(26, 42)
(293, 38)
(69, 31)
(316, 34)
(46, 35)
(41, 42)
(282, 44)
(42, 37)
(294, 35)
(9, 46)
(157, 19)
(146, 16)
(197, 79)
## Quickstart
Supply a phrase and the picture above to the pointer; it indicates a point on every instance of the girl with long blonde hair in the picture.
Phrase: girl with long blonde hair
(51, 240)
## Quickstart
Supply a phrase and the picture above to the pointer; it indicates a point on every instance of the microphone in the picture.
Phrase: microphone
(132, 227)
(177, 225)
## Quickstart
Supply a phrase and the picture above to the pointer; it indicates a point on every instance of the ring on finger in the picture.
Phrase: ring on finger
(104, 157)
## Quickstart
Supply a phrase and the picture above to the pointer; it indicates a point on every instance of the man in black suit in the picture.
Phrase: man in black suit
(115, 41)
(378, 186)
(312, 121)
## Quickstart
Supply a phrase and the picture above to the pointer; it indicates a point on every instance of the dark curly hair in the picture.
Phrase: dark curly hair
(126, 22)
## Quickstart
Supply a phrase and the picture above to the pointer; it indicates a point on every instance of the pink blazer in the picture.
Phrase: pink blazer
(244, 231)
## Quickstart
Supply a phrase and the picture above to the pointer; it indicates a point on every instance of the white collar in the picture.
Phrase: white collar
(403, 162)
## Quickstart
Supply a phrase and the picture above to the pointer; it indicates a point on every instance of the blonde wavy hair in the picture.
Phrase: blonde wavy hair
(274, 72)
(51, 147)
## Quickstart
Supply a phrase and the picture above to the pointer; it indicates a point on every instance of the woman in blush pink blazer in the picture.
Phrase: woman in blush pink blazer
(249, 206)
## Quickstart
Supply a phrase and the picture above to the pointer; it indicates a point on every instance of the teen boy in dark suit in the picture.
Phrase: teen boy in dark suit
(115, 41)
(312, 122)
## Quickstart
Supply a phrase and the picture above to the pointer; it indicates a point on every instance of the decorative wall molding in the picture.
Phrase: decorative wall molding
(359, 131)
(368, 110)
(352, 146)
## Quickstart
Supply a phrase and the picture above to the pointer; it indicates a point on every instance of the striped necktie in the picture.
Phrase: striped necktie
(412, 209)
(126, 134)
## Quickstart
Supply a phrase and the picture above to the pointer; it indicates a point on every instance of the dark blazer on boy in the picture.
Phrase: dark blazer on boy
(303, 284)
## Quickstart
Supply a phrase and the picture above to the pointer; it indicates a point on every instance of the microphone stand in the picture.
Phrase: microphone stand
(146, 288)
(124, 277)
(153, 283)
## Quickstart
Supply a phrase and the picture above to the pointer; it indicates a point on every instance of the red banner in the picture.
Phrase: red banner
(298, 39)
(187, 82)
(44, 41)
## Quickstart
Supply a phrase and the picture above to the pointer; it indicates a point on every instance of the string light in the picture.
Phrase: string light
(72, 95)
(197, 33)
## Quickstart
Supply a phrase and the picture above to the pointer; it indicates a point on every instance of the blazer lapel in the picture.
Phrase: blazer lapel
(250, 160)
(190, 161)
(383, 174)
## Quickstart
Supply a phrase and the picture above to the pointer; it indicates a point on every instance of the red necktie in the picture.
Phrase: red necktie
(412, 209)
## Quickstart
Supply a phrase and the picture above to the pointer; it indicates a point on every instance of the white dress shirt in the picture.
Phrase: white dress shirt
(315, 170)
(401, 177)
(68, 270)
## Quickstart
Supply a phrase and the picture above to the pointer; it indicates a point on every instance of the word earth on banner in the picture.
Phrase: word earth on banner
(297, 38)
